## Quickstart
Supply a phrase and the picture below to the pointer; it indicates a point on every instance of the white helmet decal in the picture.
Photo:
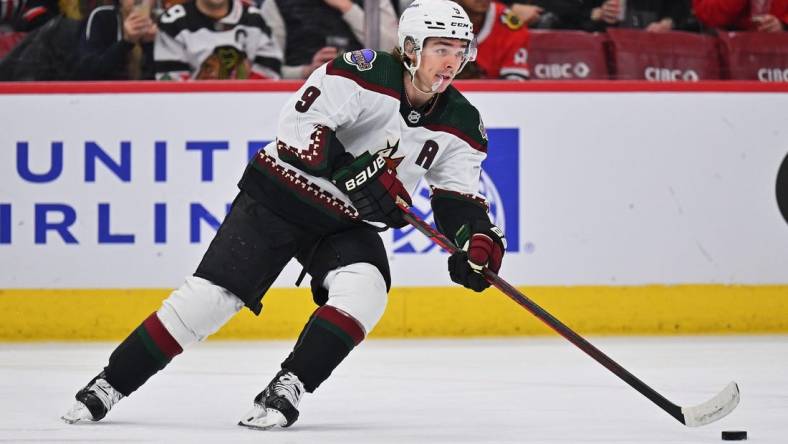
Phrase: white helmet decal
(434, 18)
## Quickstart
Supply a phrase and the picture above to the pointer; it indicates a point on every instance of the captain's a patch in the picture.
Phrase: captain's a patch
(362, 59)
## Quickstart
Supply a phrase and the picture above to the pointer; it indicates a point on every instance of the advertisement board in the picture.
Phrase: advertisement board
(598, 188)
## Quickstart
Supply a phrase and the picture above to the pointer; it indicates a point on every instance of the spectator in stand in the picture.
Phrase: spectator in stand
(18, 17)
(649, 15)
(46, 50)
(27, 15)
(744, 15)
(548, 14)
(597, 15)
(313, 32)
(502, 40)
(117, 42)
(215, 39)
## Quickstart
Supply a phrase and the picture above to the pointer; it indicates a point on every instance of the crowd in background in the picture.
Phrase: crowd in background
(273, 39)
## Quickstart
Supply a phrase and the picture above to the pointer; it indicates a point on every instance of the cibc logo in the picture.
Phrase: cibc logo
(782, 188)
(670, 75)
(773, 75)
(578, 70)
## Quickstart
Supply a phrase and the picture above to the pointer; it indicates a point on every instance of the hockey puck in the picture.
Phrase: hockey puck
(734, 435)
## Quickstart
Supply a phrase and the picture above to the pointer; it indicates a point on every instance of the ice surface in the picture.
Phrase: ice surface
(527, 390)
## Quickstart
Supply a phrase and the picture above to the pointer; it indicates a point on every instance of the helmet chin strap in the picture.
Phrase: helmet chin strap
(433, 89)
(412, 70)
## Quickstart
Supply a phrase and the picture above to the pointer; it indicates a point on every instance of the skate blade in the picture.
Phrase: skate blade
(258, 419)
(79, 412)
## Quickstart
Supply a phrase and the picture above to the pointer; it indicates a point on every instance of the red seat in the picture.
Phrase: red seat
(755, 56)
(8, 41)
(567, 55)
(667, 57)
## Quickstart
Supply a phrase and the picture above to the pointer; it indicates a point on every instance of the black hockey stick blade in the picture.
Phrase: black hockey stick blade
(710, 411)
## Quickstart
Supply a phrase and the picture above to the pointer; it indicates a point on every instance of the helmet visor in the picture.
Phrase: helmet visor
(462, 55)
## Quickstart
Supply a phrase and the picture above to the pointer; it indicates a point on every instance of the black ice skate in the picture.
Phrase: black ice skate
(93, 401)
(276, 405)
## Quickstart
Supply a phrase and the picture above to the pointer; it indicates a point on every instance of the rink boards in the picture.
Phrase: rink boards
(629, 208)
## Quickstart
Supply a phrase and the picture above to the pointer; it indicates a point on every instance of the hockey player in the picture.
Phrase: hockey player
(360, 133)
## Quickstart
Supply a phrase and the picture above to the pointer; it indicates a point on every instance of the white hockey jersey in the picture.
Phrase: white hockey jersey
(358, 101)
(191, 45)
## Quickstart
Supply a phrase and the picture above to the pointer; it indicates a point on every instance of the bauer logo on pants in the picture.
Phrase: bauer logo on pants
(499, 185)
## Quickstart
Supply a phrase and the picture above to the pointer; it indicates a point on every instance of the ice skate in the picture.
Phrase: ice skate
(93, 401)
(277, 404)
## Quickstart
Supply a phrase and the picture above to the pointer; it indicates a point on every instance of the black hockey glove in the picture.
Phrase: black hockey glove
(482, 245)
(373, 188)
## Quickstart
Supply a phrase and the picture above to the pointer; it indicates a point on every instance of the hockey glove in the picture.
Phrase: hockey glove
(373, 188)
(482, 245)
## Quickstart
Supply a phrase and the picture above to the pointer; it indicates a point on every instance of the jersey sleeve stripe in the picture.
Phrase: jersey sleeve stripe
(439, 193)
(314, 159)
(454, 131)
(333, 71)
(269, 62)
(516, 72)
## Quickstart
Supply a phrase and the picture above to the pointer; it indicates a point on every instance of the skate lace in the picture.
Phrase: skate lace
(289, 386)
(106, 393)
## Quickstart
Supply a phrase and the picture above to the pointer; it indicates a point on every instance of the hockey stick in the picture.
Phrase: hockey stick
(712, 410)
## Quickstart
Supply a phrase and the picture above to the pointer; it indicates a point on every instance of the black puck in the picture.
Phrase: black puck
(734, 435)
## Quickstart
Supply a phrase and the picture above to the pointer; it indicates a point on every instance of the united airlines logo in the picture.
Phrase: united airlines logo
(192, 219)
(499, 185)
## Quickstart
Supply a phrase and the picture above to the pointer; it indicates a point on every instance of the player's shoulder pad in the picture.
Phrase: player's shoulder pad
(377, 71)
(511, 20)
(179, 17)
(464, 119)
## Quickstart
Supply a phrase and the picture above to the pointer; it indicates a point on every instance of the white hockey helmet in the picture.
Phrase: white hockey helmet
(434, 18)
